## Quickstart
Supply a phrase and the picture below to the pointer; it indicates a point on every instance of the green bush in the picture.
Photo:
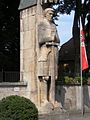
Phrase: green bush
(68, 80)
(84, 80)
(78, 79)
(17, 108)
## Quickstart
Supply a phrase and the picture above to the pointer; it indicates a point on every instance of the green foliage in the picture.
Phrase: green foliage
(69, 80)
(78, 79)
(17, 108)
(75, 80)
(84, 80)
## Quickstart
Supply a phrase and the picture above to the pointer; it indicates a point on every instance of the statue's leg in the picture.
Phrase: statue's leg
(52, 90)
(43, 92)
(52, 75)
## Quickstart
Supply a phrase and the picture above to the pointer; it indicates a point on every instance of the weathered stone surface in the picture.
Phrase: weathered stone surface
(47, 58)
(31, 22)
(7, 89)
(27, 51)
(31, 54)
(65, 96)
(24, 89)
(54, 115)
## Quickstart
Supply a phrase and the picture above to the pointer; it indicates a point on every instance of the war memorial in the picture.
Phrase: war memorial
(39, 43)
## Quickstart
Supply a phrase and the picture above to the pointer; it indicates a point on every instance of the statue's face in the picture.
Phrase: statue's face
(49, 15)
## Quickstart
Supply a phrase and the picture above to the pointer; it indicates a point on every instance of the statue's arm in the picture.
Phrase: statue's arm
(57, 37)
(43, 34)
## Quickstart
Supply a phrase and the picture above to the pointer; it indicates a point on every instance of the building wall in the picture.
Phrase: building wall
(7, 89)
(69, 96)
(28, 50)
(29, 19)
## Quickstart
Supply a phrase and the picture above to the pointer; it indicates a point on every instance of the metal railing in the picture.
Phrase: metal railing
(9, 76)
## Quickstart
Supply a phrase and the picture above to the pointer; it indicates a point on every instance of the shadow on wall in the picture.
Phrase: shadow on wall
(65, 96)
(86, 96)
(60, 95)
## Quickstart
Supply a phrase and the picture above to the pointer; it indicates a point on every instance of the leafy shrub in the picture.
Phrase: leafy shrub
(84, 80)
(68, 80)
(17, 108)
(78, 79)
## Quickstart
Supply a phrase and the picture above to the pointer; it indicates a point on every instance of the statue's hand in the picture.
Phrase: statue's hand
(48, 43)
(51, 44)
(45, 78)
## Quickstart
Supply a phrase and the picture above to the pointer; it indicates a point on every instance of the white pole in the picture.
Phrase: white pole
(82, 106)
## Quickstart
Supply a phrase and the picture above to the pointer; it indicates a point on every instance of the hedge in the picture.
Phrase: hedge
(17, 108)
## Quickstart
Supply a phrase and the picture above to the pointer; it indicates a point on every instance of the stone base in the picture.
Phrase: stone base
(55, 114)
(48, 107)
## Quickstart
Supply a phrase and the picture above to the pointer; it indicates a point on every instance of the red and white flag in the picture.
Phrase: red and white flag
(84, 61)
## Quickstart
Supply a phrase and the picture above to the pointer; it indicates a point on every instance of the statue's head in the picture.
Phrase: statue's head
(48, 13)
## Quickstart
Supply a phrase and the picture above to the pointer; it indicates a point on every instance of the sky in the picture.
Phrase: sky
(65, 24)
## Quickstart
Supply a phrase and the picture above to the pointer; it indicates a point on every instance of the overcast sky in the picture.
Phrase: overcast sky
(65, 24)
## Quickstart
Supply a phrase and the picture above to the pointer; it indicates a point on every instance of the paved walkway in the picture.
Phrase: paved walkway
(79, 116)
(64, 116)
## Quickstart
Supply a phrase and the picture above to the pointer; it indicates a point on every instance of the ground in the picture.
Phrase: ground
(65, 116)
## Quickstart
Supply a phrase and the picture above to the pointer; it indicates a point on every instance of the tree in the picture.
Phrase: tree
(81, 9)
(9, 38)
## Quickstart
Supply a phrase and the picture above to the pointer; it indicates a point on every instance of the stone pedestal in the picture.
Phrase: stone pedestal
(28, 55)
(30, 16)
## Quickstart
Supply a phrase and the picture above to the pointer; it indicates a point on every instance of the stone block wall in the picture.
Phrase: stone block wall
(29, 19)
(7, 89)
(28, 55)
(69, 96)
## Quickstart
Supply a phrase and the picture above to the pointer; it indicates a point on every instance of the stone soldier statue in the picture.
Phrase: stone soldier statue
(48, 57)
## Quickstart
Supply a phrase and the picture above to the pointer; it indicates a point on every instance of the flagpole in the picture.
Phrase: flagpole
(82, 102)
